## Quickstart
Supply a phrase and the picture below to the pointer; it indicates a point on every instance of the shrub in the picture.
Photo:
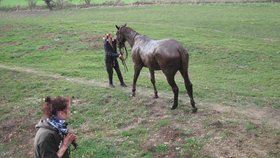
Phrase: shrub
(31, 4)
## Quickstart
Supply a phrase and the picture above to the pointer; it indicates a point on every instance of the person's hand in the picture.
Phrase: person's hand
(121, 57)
(66, 142)
(69, 139)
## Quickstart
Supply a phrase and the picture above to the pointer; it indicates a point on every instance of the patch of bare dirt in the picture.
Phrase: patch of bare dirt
(226, 131)
(93, 41)
(20, 130)
(3, 99)
(24, 13)
(168, 136)
(44, 48)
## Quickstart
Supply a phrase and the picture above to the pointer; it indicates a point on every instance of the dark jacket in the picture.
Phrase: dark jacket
(47, 141)
(110, 52)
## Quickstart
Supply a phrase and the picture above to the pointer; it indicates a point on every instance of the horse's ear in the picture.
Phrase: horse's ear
(124, 25)
(117, 27)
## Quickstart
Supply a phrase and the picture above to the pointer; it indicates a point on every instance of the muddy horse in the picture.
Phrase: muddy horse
(167, 55)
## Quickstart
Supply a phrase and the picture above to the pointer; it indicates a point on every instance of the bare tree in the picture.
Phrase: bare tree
(31, 4)
(87, 2)
(54, 3)
(49, 4)
(59, 3)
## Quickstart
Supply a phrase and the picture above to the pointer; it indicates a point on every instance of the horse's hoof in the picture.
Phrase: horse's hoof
(156, 96)
(194, 110)
(173, 107)
(123, 85)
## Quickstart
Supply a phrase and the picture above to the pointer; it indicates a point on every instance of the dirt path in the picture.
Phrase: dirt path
(258, 115)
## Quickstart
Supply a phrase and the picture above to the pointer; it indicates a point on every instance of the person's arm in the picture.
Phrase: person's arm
(114, 43)
(62, 150)
(110, 51)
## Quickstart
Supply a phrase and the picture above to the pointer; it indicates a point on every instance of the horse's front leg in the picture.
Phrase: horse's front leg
(152, 74)
(137, 69)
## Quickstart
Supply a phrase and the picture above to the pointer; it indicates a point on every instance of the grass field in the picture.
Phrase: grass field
(234, 67)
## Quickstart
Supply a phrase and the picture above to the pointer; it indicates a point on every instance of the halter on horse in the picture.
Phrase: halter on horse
(166, 55)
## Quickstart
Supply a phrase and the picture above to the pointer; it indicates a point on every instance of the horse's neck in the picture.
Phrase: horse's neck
(130, 37)
(142, 40)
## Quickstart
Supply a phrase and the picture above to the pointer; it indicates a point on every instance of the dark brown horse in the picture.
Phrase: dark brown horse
(166, 55)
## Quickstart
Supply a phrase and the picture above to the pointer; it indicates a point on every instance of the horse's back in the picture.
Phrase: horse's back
(168, 52)
(169, 45)
(158, 54)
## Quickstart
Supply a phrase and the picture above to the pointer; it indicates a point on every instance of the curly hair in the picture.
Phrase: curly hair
(52, 106)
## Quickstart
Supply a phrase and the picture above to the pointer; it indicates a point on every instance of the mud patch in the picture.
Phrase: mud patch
(20, 131)
(166, 142)
(94, 41)
(44, 48)
(3, 99)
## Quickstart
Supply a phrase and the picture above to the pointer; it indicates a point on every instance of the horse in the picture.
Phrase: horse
(167, 55)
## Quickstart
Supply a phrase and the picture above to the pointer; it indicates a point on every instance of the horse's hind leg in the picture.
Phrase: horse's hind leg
(137, 70)
(152, 73)
(175, 89)
(189, 88)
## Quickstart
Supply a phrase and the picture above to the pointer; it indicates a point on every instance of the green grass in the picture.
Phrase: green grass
(251, 128)
(193, 144)
(234, 48)
(234, 60)
(161, 148)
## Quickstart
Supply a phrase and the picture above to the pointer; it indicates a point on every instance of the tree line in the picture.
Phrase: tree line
(52, 3)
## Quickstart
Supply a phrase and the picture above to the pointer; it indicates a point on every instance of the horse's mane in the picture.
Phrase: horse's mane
(127, 29)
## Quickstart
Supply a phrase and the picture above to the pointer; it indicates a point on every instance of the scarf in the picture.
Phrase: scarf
(58, 124)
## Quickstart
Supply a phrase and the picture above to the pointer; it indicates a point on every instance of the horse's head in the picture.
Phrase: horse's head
(120, 36)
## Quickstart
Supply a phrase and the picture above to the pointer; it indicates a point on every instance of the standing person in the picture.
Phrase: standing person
(53, 138)
(111, 61)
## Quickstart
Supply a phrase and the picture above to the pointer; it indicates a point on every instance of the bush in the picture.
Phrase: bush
(87, 2)
(59, 4)
(31, 4)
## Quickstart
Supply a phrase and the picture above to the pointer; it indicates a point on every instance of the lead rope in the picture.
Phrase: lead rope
(123, 59)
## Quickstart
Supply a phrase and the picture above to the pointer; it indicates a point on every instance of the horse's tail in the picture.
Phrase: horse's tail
(184, 58)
